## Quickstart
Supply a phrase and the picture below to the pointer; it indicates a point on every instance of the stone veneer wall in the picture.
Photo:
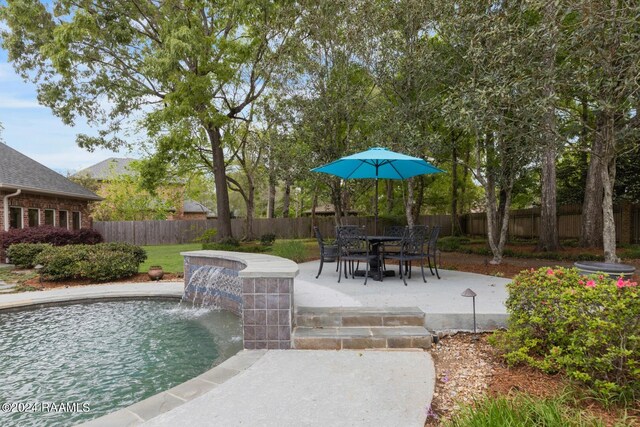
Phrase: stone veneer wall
(266, 308)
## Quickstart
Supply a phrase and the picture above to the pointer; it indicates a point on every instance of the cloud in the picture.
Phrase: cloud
(10, 102)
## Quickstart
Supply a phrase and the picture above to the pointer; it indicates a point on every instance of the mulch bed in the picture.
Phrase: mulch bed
(137, 278)
(468, 367)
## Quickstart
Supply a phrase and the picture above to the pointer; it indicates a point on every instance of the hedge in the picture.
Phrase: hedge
(587, 326)
(101, 262)
(24, 254)
(55, 236)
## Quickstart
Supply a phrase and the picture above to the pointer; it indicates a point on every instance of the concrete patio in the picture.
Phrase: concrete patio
(440, 299)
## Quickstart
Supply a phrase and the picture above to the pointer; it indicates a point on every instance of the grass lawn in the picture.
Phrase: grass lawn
(167, 256)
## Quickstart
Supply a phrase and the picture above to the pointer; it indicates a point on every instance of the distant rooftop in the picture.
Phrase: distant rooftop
(18, 171)
(191, 206)
(106, 169)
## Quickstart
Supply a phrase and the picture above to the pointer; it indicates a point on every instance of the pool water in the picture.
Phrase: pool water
(99, 357)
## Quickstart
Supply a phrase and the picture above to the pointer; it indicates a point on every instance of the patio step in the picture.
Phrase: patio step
(358, 316)
(345, 337)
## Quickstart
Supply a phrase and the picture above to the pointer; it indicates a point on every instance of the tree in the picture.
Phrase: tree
(604, 44)
(183, 70)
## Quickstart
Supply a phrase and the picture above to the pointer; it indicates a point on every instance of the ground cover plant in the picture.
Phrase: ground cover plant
(587, 326)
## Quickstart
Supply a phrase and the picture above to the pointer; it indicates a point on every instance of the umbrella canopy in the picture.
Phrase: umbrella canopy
(378, 163)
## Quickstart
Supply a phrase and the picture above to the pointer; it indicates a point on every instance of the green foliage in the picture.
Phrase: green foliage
(24, 254)
(102, 262)
(522, 410)
(632, 252)
(587, 326)
(452, 243)
(206, 237)
(168, 256)
(295, 250)
(267, 239)
(250, 248)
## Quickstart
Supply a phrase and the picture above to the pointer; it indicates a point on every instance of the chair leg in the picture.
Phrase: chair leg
(366, 273)
(422, 269)
(434, 261)
(320, 269)
(403, 276)
(339, 271)
(435, 265)
(337, 263)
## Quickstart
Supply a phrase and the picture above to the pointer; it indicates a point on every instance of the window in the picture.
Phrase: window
(63, 219)
(15, 217)
(34, 217)
(49, 217)
(75, 220)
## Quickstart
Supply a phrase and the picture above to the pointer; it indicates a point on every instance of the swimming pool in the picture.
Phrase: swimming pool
(62, 365)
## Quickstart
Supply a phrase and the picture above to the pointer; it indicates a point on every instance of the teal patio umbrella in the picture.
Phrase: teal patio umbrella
(376, 163)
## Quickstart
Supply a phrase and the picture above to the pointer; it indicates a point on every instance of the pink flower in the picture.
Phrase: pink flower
(581, 282)
(590, 284)
(550, 272)
(620, 283)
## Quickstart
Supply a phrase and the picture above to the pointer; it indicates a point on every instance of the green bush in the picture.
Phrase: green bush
(452, 243)
(587, 326)
(294, 250)
(632, 252)
(101, 262)
(208, 236)
(251, 248)
(522, 410)
(267, 239)
(24, 254)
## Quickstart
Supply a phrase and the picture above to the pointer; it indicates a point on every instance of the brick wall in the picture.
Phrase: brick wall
(42, 202)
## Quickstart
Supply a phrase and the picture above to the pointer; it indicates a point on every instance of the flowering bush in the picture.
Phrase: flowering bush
(588, 326)
(55, 236)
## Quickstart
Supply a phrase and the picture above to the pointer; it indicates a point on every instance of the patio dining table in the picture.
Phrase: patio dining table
(375, 266)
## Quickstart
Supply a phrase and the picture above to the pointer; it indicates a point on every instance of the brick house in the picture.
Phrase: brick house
(32, 194)
(105, 171)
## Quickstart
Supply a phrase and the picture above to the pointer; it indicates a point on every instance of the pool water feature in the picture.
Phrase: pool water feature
(107, 355)
(215, 287)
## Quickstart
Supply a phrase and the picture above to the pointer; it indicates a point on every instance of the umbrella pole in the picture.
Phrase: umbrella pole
(375, 227)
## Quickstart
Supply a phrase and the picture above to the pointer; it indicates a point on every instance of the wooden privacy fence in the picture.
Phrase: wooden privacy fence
(186, 231)
(523, 223)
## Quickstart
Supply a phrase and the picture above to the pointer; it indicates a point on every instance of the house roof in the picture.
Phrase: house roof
(108, 168)
(19, 172)
(191, 206)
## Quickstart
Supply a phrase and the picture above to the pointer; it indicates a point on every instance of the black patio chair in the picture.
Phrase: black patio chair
(411, 249)
(328, 251)
(392, 248)
(432, 249)
(354, 247)
(345, 229)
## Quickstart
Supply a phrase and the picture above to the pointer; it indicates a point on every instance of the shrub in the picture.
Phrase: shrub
(208, 236)
(451, 243)
(231, 248)
(267, 239)
(104, 262)
(294, 250)
(24, 254)
(46, 234)
(588, 326)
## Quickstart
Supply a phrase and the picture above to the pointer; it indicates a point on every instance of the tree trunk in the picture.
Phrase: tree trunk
(250, 203)
(417, 207)
(336, 199)
(608, 176)
(390, 200)
(455, 221)
(592, 212)
(497, 219)
(408, 208)
(271, 201)
(548, 233)
(220, 177)
(286, 200)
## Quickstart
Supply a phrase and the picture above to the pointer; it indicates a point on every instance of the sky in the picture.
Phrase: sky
(35, 132)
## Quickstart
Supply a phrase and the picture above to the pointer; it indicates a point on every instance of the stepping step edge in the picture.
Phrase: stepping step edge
(353, 317)
(361, 338)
